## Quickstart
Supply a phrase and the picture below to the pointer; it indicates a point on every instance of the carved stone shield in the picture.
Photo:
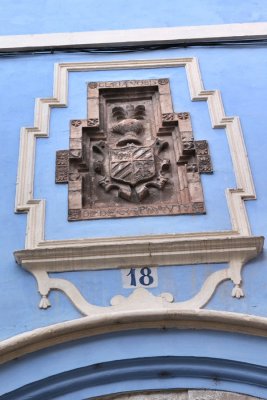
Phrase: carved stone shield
(132, 164)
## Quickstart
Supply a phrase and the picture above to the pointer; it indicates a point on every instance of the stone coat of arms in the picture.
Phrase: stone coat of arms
(133, 156)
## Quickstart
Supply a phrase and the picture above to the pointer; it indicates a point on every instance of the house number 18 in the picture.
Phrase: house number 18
(139, 277)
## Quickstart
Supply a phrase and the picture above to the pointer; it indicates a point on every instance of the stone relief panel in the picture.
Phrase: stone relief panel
(133, 155)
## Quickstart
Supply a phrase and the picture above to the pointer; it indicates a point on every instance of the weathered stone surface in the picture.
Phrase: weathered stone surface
(133, 155)
(180, 395)
(216, 395)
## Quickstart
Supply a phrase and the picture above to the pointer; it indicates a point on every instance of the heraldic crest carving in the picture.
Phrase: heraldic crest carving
(133, 156)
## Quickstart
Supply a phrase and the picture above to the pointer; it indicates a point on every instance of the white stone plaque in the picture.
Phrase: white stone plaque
(139, 277)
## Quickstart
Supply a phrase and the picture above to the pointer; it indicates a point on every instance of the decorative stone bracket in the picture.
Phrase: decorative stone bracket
(235, 251)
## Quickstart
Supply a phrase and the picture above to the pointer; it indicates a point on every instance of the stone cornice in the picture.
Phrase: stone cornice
(135, 37)
(117, 252)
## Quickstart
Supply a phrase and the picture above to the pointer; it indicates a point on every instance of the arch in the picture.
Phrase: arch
(160, 372)
(160, 358)
(64, 332)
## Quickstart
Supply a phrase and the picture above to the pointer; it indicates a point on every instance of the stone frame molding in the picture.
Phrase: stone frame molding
(41, 256)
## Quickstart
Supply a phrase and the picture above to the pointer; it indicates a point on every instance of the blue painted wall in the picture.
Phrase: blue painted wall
(45, 16)
(25, 78)
(139, 360)
(57, 226)
(240, 74)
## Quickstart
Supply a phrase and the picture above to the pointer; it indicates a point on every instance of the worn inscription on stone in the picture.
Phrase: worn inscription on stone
(133, 156)
(168, 209)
